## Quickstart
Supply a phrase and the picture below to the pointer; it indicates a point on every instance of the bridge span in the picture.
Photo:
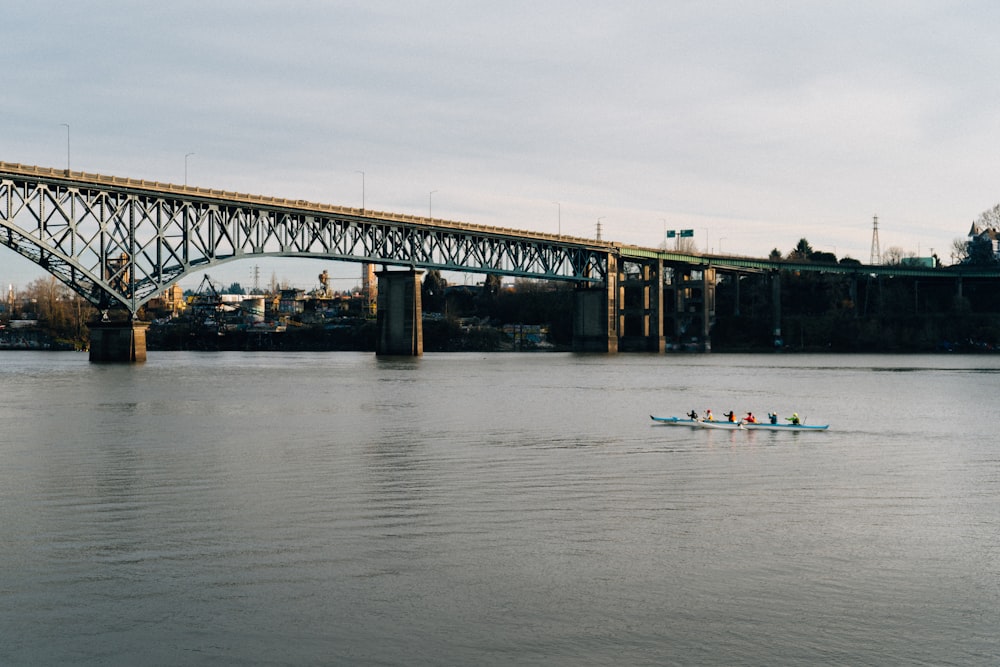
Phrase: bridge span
(120, 242)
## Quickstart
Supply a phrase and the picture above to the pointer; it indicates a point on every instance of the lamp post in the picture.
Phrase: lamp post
(362, 191)
(559, 214)
(186, 156)
(430, 204)
(721, 239)
(66, 125)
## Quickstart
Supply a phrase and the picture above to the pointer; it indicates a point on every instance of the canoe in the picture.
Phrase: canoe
(767, 426)
(732, 426)
(675, 421)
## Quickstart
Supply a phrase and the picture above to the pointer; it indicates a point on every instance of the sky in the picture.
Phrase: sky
(755, 124)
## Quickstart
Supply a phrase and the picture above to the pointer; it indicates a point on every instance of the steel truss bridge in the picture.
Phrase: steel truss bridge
(120, 242)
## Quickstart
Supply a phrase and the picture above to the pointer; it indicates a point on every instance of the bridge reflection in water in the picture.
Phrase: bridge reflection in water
(120, 242)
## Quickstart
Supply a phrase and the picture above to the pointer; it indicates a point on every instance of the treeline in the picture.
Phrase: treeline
(841, 313)
(857, 313)
(50, 310)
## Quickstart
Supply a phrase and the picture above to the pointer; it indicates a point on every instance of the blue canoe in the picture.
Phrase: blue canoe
(675, 421)
(740, 425)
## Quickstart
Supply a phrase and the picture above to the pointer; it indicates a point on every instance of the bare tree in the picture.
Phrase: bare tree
(687, 244)
(959, 250)
(893, 255)
(988, 219)
(679, 244)
(59, 308)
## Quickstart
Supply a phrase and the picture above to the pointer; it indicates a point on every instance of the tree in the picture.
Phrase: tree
(58, 308)
(487, 299)
(959, 250)
(981, 251)
(687, 244)
(893, 255)
(801, 251)
(432, 291)
(988, 219)
(821, 256)
(775, 255)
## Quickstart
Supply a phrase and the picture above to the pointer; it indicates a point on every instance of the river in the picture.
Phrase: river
(478, 509)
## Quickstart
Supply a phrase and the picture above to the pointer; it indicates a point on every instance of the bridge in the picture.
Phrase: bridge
(120, 242)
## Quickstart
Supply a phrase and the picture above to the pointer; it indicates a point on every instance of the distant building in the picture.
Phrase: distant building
(990, 235)
(169, 303)
(292, 301)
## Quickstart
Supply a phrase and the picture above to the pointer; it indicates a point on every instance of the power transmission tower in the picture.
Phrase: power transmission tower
(876, 257)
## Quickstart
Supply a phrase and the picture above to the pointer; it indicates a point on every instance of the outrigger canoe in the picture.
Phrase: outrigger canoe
(740, 425)
(768, 426)
(675, 421)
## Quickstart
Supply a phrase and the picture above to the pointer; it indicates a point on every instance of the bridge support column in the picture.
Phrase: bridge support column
(657, 337)
(693, 297)
(595, 315)
(118, 342)
(707, 308)
(776, 304)
(399, 316)
(640, 321)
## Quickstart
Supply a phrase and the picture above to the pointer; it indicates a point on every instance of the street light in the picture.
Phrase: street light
(560, 216)
(721, 239)
(186, 156)
(430, 204)
(66, 125)
(362, 191)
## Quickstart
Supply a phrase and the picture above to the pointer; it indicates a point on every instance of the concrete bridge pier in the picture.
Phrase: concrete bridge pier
(776, 305)
(118, 342)
(692, 314)
(595, 315)
(399, 315)
(640, 322)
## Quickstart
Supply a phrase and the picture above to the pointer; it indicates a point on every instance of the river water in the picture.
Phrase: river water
(336, 508)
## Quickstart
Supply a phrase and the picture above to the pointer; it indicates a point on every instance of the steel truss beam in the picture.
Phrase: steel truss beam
(120, 242)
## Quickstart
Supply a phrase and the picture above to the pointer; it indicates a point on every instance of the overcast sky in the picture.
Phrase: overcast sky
(753, 123)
